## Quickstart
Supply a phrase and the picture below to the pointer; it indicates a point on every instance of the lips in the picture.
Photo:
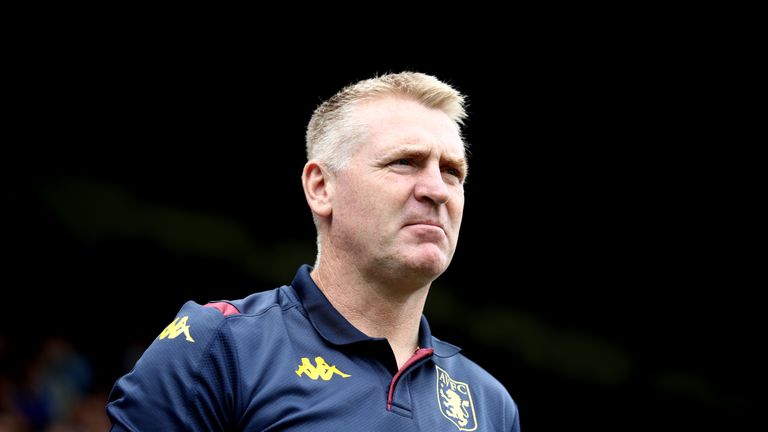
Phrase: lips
(427, 222)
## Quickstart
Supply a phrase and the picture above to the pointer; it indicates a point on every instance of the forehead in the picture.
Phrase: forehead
(394, 122)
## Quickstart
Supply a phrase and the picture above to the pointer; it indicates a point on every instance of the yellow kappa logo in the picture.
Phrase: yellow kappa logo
(455, 401)
(319, 370)
(177, 327)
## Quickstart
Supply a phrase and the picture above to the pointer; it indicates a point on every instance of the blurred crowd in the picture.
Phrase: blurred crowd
(50, 388)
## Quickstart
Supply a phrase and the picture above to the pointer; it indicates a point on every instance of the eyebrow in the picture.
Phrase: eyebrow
(421, 152)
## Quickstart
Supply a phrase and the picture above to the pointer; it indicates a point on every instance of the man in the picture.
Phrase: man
(344, 347)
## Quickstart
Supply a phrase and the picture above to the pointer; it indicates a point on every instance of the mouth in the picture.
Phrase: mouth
(428, 223)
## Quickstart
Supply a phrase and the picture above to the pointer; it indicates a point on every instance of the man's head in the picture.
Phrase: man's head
(333, 132)
(385, 173)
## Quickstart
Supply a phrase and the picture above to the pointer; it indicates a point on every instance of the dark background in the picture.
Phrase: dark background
(602, 274)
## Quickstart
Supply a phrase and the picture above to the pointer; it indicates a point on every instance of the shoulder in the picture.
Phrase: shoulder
(259, 303)
(217, 311)
(190, 374)
(186, 338)
(197, 327)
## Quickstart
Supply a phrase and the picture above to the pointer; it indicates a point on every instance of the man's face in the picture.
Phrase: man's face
(397, 205)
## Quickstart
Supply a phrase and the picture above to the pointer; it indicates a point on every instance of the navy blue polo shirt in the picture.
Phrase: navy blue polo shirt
(286, 360)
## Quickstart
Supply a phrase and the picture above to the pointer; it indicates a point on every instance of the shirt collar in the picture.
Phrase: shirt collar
(334, 328)
(426, 340)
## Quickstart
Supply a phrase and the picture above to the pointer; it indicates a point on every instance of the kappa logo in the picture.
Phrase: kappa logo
(177, 327)
(319, 370)
(455, 401)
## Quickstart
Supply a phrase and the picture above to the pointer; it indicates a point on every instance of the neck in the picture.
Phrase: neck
(376, 307)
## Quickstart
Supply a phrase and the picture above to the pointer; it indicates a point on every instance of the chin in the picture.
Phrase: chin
(428, 266)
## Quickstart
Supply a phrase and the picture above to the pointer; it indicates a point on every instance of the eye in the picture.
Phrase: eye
(455, 172)
(406, 162)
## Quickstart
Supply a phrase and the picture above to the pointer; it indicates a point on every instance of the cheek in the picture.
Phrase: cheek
(457, 209)
(361, 207)
(457, 216)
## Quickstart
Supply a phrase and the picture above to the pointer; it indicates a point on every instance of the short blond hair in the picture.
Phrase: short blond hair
(332, 131)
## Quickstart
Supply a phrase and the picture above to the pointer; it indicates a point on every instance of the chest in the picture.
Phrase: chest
(337, 392)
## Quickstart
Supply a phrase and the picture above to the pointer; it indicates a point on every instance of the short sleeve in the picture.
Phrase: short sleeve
(186, 379)
(513, 417)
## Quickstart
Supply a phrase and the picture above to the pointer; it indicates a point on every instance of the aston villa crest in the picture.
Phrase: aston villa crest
(455, 401)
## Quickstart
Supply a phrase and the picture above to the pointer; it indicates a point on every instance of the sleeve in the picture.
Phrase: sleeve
(515, 414)
(186, 379)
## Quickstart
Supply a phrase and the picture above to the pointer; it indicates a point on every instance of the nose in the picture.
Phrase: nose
(430, 185)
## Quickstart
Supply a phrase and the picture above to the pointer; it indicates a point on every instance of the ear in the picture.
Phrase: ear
(318, 188)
